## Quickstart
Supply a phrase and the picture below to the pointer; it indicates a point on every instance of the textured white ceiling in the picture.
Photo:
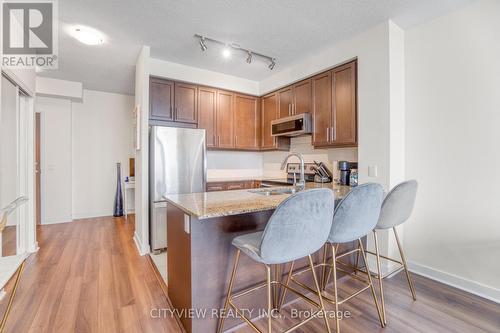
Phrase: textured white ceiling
(286, 29)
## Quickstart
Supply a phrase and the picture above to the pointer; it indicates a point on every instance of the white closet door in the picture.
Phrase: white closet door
(9, 141)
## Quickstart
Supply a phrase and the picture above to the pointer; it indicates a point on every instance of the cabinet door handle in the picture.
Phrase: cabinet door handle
(218, 144)
(334, 134)
(327, 134)
(294, 109)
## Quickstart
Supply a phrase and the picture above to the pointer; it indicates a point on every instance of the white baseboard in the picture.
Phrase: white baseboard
(139, 246)
(490, 293)
(56, 220)
(90, 215)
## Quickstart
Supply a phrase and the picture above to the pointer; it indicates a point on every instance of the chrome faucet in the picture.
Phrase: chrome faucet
(302, 182)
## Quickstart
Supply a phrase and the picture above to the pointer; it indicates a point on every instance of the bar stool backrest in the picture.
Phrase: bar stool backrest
(357, 214)
(398, 205)
(298, 227)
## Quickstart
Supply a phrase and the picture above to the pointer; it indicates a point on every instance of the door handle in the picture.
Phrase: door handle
(327, 134)
(289, 109)
(334, 134)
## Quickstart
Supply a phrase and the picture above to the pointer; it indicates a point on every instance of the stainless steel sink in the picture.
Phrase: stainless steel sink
(274, 191)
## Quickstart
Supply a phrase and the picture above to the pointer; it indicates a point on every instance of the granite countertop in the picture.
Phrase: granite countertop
(225, 203)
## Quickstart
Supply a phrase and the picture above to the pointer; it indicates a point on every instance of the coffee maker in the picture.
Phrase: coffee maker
(345, 168)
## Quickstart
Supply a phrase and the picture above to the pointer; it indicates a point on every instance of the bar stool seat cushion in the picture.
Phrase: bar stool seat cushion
(250, 244)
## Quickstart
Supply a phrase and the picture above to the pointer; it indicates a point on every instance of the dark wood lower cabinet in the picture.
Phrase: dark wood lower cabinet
(232, 185)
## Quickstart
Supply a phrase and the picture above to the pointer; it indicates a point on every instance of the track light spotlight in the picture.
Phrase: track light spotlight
(249, 57)
(226, 52)
(272, 64)
(202, 44)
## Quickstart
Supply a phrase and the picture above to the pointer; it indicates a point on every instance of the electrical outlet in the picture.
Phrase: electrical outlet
(187, 224)
(373, 171)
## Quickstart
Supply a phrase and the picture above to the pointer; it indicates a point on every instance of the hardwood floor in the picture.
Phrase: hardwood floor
(88, 277)
(9, 241)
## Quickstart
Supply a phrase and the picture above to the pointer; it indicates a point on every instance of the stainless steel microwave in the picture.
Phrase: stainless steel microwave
(296, 125)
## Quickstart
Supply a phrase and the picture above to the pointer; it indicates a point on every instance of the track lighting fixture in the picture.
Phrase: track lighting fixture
(228, 49)
(202, 44)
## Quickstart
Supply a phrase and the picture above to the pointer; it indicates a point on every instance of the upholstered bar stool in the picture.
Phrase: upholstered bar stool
(298, 228)
(355, 217)
(396, 209)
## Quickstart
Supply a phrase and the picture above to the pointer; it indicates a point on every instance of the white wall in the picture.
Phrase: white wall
(102, 136)
(56, 163)
(81, 144)
(141, 234)
(452, 136)
(180, 72)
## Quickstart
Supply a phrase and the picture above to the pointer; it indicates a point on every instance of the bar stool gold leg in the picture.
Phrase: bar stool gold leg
(229, 291)
(323, 268)
(371, 283)
(269, 299)
(335, 291)
(379, 276)
(356, 263)
(319, 294)
(287, 282)
(403, 259)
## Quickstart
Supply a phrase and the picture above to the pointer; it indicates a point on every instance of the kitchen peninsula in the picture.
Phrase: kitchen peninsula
(200, 229)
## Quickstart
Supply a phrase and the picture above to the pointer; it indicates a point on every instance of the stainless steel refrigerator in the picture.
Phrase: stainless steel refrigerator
(177, 166)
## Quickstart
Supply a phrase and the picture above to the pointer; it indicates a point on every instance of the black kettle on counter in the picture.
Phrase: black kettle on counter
(345, 168)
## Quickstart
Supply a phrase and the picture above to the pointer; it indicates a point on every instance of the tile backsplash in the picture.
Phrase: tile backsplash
(272, 160)
(230, 164)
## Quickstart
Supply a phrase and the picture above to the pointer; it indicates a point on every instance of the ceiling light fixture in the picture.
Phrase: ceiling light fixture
(229, 47)
(202, 44)
(88, 36)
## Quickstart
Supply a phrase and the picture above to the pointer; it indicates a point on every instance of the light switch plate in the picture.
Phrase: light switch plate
(372, 171)
(187, 224)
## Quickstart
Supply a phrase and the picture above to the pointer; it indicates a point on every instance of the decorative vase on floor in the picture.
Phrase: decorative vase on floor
(118, 207)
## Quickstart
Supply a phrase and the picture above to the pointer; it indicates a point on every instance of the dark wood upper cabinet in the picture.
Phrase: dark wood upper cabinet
(285, 102)
(344, 120)
(246, 122)
(161, 100)
(322, 108)
(186, 103)
(207, 109)
(269, 113)
(302, 93)
(225, 119)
